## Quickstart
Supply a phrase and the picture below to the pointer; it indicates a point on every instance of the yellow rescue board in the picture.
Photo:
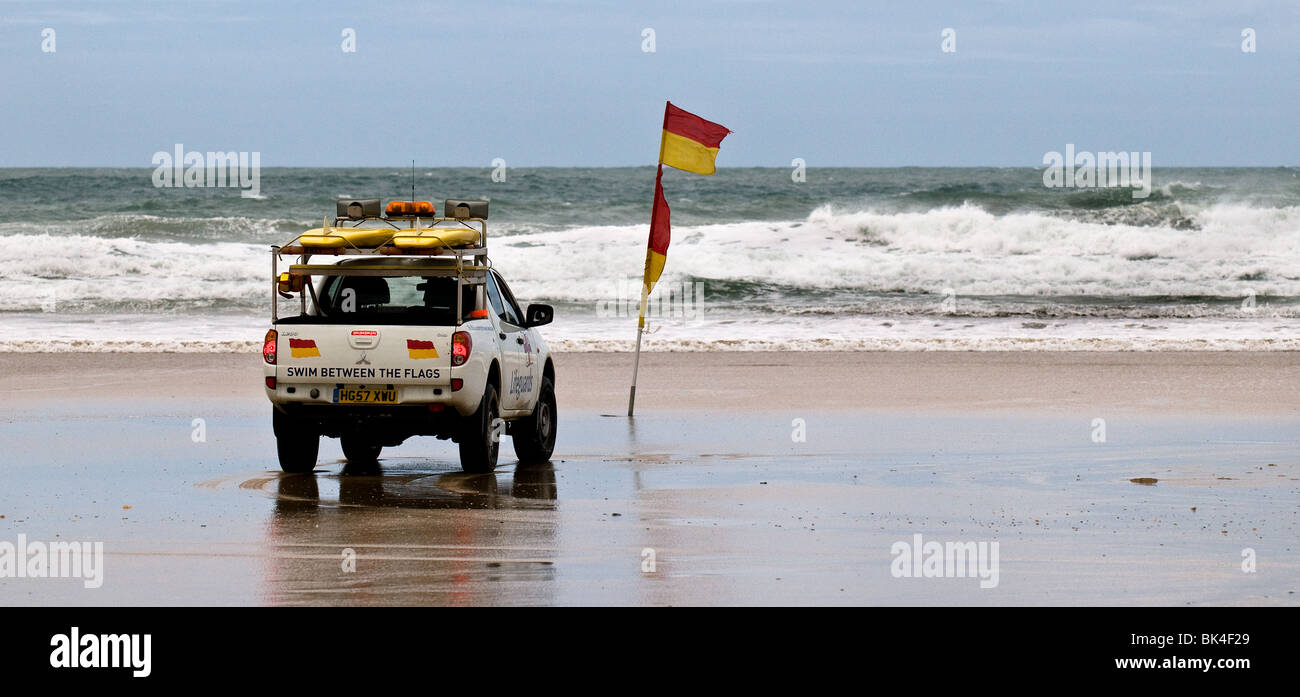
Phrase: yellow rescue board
(422, 238)
(346, 237)
(436, 237)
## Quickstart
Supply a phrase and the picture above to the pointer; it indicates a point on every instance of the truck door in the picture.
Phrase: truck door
(518, 384)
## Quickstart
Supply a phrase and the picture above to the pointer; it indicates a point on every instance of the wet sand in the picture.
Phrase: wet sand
(711, 476)
(1214, 383)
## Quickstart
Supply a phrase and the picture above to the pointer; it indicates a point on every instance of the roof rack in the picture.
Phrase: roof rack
(404, 220)
(440, 249)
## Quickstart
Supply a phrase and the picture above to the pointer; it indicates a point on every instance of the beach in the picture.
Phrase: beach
(745, 478)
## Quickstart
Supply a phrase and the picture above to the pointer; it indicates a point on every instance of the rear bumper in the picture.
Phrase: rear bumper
(301, 393)
(383, 425)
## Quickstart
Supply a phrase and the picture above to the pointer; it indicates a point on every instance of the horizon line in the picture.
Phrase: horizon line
(651, 166)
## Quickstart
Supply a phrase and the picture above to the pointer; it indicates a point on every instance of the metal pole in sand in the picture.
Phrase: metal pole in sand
(636, 361)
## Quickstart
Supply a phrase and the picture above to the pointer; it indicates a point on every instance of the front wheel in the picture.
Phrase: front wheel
(534, 435)
(480, 435)
(295, 444)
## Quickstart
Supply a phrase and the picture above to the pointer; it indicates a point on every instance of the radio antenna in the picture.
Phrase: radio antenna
(412, 182)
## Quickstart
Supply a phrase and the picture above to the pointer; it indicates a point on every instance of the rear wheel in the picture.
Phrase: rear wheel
(359, 451)
(295, 443)
(534, 435)
(478, 441)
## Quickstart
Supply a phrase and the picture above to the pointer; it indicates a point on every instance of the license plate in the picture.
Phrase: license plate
(362, 395)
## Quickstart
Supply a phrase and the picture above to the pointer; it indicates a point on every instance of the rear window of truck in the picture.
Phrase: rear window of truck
(391, 300)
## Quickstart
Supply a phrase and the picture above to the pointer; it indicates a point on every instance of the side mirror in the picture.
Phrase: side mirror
(538, 314)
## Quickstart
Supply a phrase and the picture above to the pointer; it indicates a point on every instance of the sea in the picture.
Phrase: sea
(837, 259)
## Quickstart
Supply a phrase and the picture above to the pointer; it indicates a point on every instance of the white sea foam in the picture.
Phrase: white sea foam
(860, 280)
(1236, 249)
(965, 248)
(111, 273)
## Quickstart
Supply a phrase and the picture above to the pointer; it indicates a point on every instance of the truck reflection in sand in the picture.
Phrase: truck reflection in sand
(408, 536)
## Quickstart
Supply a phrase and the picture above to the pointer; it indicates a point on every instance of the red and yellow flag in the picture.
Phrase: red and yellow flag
(688, 143)
(657, 249)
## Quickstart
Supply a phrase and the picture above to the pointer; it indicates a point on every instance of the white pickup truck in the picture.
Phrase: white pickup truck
(394, 340)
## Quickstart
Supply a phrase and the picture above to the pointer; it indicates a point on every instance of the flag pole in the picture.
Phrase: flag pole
(645, 285)
(645, 296)
(636, 361)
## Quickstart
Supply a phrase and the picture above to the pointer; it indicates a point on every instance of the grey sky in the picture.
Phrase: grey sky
(566, 83)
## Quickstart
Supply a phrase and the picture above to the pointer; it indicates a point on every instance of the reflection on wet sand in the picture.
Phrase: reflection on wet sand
(401, 535)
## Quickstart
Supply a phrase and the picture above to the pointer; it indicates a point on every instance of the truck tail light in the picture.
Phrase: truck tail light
(456, 384)
(460, 348)
(270, 382)
(268, 347)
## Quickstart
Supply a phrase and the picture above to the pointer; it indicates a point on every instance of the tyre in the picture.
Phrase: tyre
(534, 435)
(478, 443)
(295, 443)
(359, 451)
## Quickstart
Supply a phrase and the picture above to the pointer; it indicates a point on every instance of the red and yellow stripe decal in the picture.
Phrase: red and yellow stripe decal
(303, 348)
(420, 349)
